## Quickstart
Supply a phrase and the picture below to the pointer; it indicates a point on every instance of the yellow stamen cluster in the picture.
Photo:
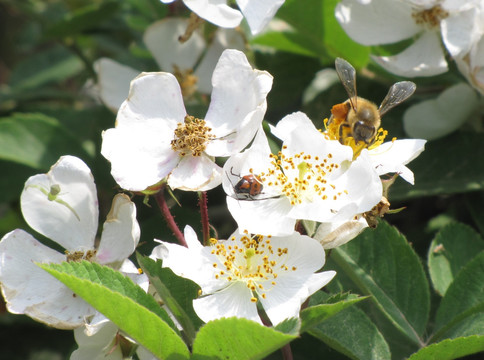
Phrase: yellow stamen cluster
(78, 256)
(252, 260)
(333, 132)
(311, 180)
(191, 137)
(186, 79)
(430, 17)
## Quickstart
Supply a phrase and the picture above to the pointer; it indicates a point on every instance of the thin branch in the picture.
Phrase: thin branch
(170, 220)
(202, 202)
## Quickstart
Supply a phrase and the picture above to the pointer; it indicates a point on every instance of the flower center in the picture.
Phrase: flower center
(191, 137)
(430, 17)
(252, 260)
(335, 131)
(77, 256)
(186, 79)
(302, 177)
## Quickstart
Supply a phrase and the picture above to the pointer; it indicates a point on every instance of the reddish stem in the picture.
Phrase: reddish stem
(287, 352)
(170, 220)
(202, 202)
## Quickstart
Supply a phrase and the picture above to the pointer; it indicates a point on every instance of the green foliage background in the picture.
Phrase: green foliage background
(422, 269)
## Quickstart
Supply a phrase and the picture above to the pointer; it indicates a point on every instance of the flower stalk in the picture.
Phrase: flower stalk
(170, 220)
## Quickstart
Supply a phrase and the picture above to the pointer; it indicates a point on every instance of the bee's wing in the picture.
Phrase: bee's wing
(399, 92)
(347, 76)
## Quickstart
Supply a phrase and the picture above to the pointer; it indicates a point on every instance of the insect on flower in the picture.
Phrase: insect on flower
(248, 187)
(361, 118)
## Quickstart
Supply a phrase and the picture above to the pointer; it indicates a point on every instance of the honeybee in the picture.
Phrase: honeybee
(363, 117)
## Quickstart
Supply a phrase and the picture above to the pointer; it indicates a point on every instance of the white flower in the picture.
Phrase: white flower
(161, 38)
(471, 65)
(312, 178)
(62, 205)
(258, 13)
(334, 234)
(105, 344)
(154, 137)
(384, 22)
(392, 156)
(435, 118)
(235, 274)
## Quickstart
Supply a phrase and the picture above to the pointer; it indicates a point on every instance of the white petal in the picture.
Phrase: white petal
(334, 234)
(99, 346)
(139, 158)
(258, 13)
(284, 300)
(231, 301)
(223, 39)
(130, 270)
(139, 148)
(195, 173)
(256, 158)
(113, 81)
(391, 157)
(460, 31)
(238, 103)
(215, 11)
(27, 289)
(144, 354)
(425, 57)
(300, 135)
(71, 218)
(296, 121)
(304, 256)
(194, 264)
(436, 118)
(121, 232)
(364, 23)
(161, 38)
(265, 217)
(361, 190)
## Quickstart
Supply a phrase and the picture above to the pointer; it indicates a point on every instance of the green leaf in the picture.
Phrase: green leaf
(125, 304)
(352, 333)
(36, 140)
(291, 326)
(287, 41)
(464, 297)
(83, 19)
(317, 31)
(337, 43)
(382, 264)
(445, 167)
(53, 65)
(451, 349)
(451, 249)
(320, 312)
(233, 338)
(176, 292)
(474, 203)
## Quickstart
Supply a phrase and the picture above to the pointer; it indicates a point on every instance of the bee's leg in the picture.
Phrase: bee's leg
(341, 139)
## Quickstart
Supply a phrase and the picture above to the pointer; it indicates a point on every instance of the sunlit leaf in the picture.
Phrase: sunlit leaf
(125, 304)
(234, 338)
(451, 349)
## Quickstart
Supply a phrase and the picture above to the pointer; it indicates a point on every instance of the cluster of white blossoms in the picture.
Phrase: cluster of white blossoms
(436, 30)
(313, 178)
(258, 13)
